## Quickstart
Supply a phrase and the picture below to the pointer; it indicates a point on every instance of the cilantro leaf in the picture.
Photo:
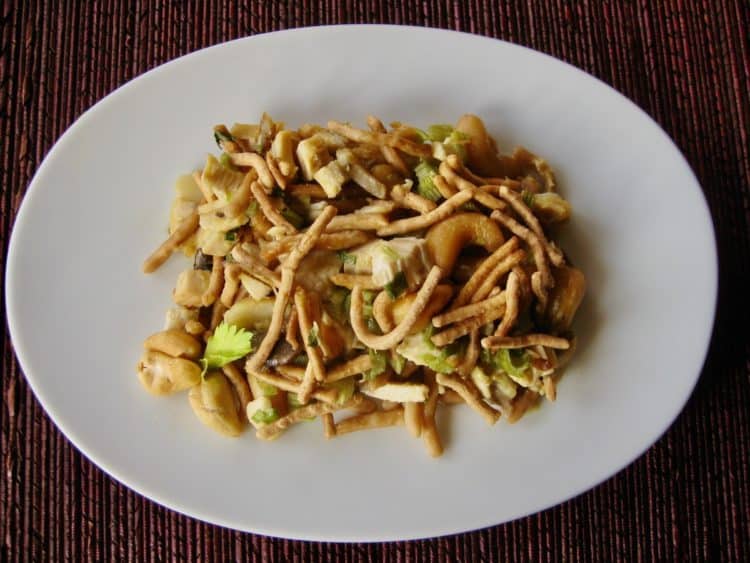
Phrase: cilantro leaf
(227, 344)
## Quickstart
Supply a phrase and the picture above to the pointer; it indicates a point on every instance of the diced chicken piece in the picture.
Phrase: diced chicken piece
(359, 173)
(259, 409)
(385, 259)
(186, 188)
(316, 269)
(282, 149)
(255, 288)
(482, 382)
(219, 179)
(331, 177)
(407, 255)
(217, 221)
(250, 314)
(399, 392)
(191, 285)
(213, 243)
(248, 132)
(312, 156)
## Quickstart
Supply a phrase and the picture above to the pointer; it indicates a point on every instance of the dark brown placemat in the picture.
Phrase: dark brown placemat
(684, 62)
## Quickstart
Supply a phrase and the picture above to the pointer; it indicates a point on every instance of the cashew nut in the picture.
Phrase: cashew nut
(215, 404)
(174, 342)
(481, 152)
(400, 307)
(564, 299)
(446, 239)
(161, 374)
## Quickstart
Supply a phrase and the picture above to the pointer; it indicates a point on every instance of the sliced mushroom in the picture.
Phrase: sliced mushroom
(282, 354)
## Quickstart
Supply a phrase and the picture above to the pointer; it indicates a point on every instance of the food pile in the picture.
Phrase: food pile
(363, 277)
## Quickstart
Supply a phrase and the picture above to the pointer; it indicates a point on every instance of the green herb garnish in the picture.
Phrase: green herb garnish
(227, 344)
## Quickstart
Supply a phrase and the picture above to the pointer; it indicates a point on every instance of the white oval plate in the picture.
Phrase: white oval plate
(79, 307)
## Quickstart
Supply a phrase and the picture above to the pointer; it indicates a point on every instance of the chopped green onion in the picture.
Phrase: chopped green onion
(425, 186)
(226, 161)
(252, 209)
(293, 217)
(346, 257)
(267, 389)
(514, 362)
(231, 236)
(396, 286)
(379, 362)
(265, 416)
(397, 361)
(312, 337)
(345, 388)
(528, 198)
(439, 132)
(220, 136)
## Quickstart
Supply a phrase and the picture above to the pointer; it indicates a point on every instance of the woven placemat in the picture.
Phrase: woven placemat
(686, 63)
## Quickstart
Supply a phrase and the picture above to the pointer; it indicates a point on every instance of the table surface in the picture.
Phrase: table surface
(685, 62)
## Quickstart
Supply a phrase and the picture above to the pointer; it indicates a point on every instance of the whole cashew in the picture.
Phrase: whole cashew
(215, 404)
(440, 298)
(564, 299)
(481, 151)
(161, 374)
(446, 239)
(174, 342)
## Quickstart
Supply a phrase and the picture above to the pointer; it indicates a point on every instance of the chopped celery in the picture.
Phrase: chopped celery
(514, 362)
(265, 416)
(293, 217)
(439, 131)
(379, 362)
(425, 186)
(397, 362)
(419, 349)
(345, 388)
